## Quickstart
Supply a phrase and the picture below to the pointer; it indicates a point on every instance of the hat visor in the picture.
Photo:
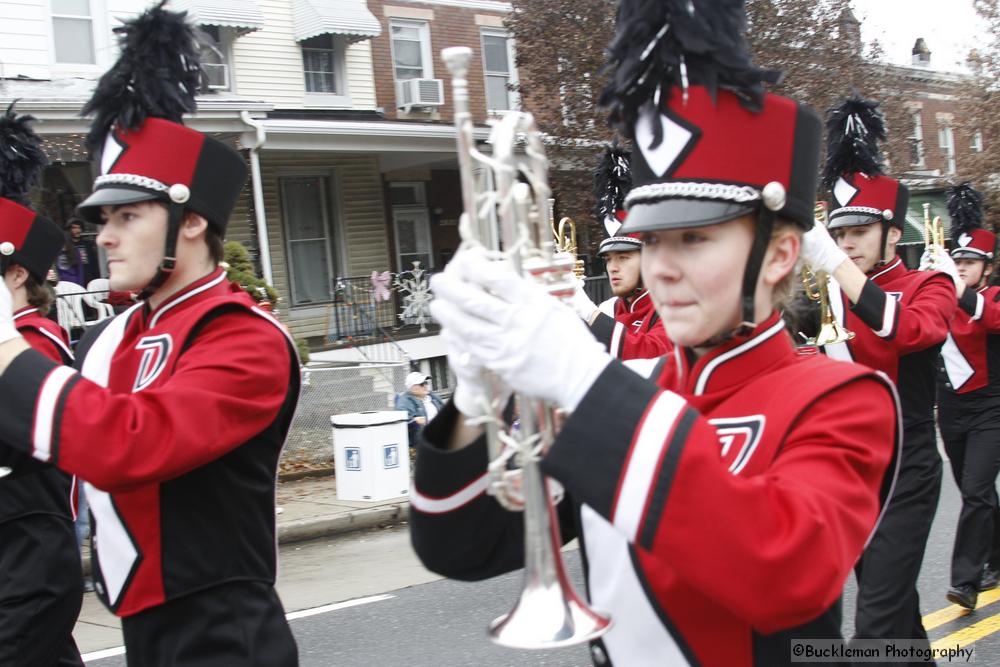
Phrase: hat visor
(681, 213)
(965, 253)
(852, 220)
(90, 209)
(619, 246)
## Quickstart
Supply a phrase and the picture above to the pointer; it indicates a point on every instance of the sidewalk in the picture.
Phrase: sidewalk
(309, 510)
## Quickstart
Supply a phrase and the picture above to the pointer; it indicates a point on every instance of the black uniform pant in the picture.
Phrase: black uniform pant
(41, 590)
(239, 624)
(888, 602)
(974, 451)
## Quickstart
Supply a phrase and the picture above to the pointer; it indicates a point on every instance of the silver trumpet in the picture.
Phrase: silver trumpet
(511, 220)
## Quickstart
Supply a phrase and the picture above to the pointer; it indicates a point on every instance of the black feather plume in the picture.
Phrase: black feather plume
(664, 43)
(21, 156)
(156, 76)
(853, 132)
(612, 181)
(965, 206)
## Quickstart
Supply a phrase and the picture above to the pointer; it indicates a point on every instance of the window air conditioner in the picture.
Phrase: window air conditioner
(419, 93)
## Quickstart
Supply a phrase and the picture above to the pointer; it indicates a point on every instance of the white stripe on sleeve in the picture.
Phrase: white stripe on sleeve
(642, 465)
(48, 399)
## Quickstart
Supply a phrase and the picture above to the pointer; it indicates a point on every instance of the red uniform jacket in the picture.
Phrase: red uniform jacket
(720, 508)
(971, 354)
(635, 332)
(32, 488)
(899, 322)
(176, 419)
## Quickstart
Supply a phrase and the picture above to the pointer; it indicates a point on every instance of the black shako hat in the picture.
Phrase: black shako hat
(26, 238)
(612, 182)
(145, 151)
(710, 144)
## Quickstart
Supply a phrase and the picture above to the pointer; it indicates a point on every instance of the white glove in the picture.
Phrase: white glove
(936, 258)
(820, 251)
(536, 344)
(476, 393)
(581, 303)
(7, 329)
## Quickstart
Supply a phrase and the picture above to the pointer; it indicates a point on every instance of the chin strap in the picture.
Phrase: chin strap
(175, 215)
(885, 239)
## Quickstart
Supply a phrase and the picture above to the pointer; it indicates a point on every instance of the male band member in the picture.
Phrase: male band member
(731, 454)
(969, 396)
(179, 409)
(632, 330)
(900, 319)
(41, 580)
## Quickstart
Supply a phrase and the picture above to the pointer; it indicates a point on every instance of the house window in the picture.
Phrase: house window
(946, 140)
(977, 142)
(321, 61)
(411, 225)
(309, 238)
(441, 378)
(917, 141)
(411, 50)
(215, 56)
(73, 32)
(498, 68)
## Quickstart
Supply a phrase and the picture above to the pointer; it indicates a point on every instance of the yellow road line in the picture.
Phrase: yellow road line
(970, 634)
(952, 612)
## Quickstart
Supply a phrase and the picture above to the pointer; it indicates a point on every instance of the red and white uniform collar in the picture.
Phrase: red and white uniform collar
(214, 282)
(735, 362)
(888, 272)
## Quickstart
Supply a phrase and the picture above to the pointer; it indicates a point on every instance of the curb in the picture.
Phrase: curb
(304, 530)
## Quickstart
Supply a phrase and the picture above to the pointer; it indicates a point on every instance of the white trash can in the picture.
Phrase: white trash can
(371, 455)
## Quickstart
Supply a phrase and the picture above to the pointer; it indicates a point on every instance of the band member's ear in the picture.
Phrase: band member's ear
(895, 233)
(782, 255)
(194, 225)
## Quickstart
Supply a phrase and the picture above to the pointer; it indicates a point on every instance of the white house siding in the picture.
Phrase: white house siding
(24, 39)
(362, 229)
(268, 63)
(360, 75)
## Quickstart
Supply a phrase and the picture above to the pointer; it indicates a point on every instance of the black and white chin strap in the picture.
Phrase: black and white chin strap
(175, 216)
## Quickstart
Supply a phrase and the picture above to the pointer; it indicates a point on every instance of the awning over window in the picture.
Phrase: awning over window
(244, 15)
(350, 18)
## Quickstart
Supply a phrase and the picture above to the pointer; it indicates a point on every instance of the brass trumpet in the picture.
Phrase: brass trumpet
(933, 229)
(816, 285)
(566, 243)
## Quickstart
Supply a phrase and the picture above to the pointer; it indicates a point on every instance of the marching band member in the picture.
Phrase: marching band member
(172, 419)
(969, 396)
(41, 579)
(900, 319)
(732, 454)
(633, 330)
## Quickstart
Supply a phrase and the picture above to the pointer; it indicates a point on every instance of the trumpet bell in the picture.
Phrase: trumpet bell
(544, 618)
(548, 613)
(831, 333)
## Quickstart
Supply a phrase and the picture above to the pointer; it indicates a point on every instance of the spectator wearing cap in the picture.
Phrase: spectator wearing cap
(420, 403)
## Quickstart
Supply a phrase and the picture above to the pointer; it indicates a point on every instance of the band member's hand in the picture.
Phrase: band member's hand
(820, 251)
(476, 394)
(7, 329)
(582, 304)
(936, 258)
(536, 344)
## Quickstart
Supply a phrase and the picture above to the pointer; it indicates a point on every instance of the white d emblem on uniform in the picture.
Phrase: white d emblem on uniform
(155, 353)
(739, 437)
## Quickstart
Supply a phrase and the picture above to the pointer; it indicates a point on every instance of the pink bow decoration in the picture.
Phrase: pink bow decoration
(380, 282)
